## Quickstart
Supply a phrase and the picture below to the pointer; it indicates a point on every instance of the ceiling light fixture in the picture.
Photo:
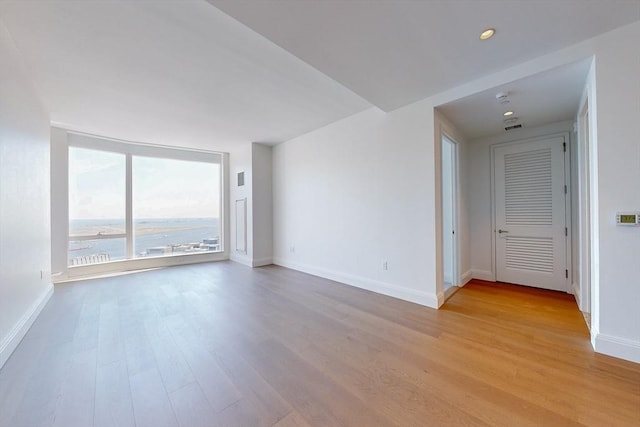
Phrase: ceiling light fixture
(487, 34)
(508, 113)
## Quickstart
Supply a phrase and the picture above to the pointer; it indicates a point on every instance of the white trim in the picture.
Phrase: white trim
(482, 275)
(104, 143)
(225, 207)
(492, 202)
(92, 270)
(465, 278)
(585, 123)
(10, 342)
(440, 297)
(619, 347)
(246, 260)
(261, 262)
(568, 214)
(451, 290)
(444, 129)
(455, 181)
(129, 231)
(411, 295)
(241, 259)
(576, 293)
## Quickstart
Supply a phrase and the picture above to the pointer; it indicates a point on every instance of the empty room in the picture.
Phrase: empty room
(283, 213)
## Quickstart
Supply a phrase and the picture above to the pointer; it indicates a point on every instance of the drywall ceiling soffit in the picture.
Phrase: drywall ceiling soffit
(394, 52)
(537, 100)
(175, 73)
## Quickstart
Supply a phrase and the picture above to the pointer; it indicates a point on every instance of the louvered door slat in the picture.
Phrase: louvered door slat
(530, 213)
(528, 174)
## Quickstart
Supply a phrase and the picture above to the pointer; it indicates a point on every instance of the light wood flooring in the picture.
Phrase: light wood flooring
(224, 345)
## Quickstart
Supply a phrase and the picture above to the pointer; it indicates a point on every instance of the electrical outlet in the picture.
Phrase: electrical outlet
(385, 265)
(292, 249)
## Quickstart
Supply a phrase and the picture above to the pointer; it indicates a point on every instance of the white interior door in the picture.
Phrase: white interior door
(530, 232)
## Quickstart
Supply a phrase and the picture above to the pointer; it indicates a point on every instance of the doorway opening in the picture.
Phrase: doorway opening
(584, 280)
(480, 120)
(449, 156)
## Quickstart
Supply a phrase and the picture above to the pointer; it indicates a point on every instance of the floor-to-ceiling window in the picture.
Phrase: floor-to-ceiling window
(131, 202)
(176, 206)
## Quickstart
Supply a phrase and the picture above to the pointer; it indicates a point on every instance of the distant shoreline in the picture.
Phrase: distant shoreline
(97, 231)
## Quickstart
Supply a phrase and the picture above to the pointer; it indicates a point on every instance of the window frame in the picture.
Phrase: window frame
(131, 149)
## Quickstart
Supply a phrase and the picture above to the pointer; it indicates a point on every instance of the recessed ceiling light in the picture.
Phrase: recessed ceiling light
(508, 113)
(487, 34)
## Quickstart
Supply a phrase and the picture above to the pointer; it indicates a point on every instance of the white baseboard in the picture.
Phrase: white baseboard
(10, 342)
(448, 293)
(622, 348)
(411, 295)
(241, 259)
(576, 293)
(440, 298)
(482, 275)
(465, 278)
(245, 260)
(262, 262)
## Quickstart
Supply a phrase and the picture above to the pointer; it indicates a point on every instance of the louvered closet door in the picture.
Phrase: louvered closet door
(530, 214)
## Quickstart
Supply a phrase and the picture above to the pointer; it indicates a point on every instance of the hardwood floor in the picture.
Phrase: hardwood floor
(225, 345)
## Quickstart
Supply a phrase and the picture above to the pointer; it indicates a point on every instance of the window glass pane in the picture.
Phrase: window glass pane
(96, 199)
(176, 206)
(86, 252)
(96, 192)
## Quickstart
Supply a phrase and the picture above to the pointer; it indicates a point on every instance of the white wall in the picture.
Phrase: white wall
(25, 257)
(256, 162)
(262, 163)
(617, 109)
(479, 195)
(59, 203)
(363, 190)
(240, 161)
(359, 192)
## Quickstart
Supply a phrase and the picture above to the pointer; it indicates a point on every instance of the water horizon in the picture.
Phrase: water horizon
(151, 235)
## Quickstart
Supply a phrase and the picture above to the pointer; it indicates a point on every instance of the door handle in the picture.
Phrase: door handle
(503, 231)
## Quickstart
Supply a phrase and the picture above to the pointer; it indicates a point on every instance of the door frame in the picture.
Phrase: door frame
(583, 293)
(567, 201)
(442, 128)
(455, 187)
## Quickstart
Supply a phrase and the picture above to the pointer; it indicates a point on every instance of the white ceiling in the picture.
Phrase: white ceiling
(184, 73)
(544, 98)
(174, 73)
(394, 52)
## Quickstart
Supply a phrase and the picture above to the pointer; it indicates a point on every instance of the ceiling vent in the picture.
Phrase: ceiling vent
(518, 126)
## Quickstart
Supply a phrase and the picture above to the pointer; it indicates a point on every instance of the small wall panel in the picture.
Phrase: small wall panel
(241, 226)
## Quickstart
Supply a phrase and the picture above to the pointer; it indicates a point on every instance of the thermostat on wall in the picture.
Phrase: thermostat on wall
(628, 218)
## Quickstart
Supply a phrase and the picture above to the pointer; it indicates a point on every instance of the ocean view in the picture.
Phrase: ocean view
(152, 237)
